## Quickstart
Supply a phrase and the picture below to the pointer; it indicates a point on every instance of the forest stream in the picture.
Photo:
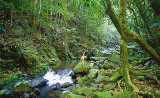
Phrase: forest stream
(79, 48)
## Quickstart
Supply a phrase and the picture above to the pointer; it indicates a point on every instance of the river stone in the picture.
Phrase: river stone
(55, 86)
(65, 85)
(26, 95)
(38, 82)
(36, 91)
(93, 73)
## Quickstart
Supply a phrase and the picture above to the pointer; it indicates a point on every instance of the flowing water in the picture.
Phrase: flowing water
(55, 81)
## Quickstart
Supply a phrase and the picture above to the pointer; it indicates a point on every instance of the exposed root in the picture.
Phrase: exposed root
(146, 94)
(151, 76)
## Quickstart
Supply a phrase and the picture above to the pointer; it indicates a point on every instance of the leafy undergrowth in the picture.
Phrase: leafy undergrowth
(103, 80)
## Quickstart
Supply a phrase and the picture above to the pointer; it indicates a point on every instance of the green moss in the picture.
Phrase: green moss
(83, 80)
(115, 76)
(101, 78)
(22, 86)
(102, 72)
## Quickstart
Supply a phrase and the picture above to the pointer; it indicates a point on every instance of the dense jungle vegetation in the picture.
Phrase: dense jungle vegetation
(122, 39)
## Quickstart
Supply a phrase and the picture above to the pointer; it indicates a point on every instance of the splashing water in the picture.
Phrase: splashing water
(61, 77)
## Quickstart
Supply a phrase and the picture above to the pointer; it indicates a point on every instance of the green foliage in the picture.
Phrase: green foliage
(125, 94)
(103, 94)
(19, 83)
(70, 95)
(85, 91)
(9, 78)
(82, 67)
(140, 77)
(5, 91)
(21, 88)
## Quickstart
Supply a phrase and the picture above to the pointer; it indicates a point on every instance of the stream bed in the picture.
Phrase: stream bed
(56, 82)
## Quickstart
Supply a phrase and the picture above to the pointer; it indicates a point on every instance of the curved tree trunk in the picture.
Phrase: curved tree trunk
(127, 34)
(124, 66)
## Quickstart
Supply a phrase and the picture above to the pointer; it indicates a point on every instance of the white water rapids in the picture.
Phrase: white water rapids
(61, 77)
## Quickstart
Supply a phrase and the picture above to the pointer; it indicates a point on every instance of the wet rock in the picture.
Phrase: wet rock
(38, 82)
(67, 72)
(36, 91)
(32, 95)
(73, 75)
(65, 85)
(55, 86)
(26, 95)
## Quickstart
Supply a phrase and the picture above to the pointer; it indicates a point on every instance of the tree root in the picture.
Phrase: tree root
(146, 94)
(151, 76)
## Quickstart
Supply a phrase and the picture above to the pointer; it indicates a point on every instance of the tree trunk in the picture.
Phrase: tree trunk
(128, 35)
(124, 66)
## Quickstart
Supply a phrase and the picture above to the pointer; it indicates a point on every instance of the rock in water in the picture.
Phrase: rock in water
(37, 91)
(26, 95)
(65, 85)
(38, 82)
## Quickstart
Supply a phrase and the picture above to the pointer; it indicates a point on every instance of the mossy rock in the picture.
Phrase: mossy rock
(102, 72)
(115, 76)
(82, 67)
(101, 78)
(83, 80)
(93, 73)
(110, 86)
(21, 87)
(108, 66)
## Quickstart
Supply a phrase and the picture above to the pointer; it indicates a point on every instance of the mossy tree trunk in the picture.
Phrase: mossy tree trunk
(129, 35)
(124, 66)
